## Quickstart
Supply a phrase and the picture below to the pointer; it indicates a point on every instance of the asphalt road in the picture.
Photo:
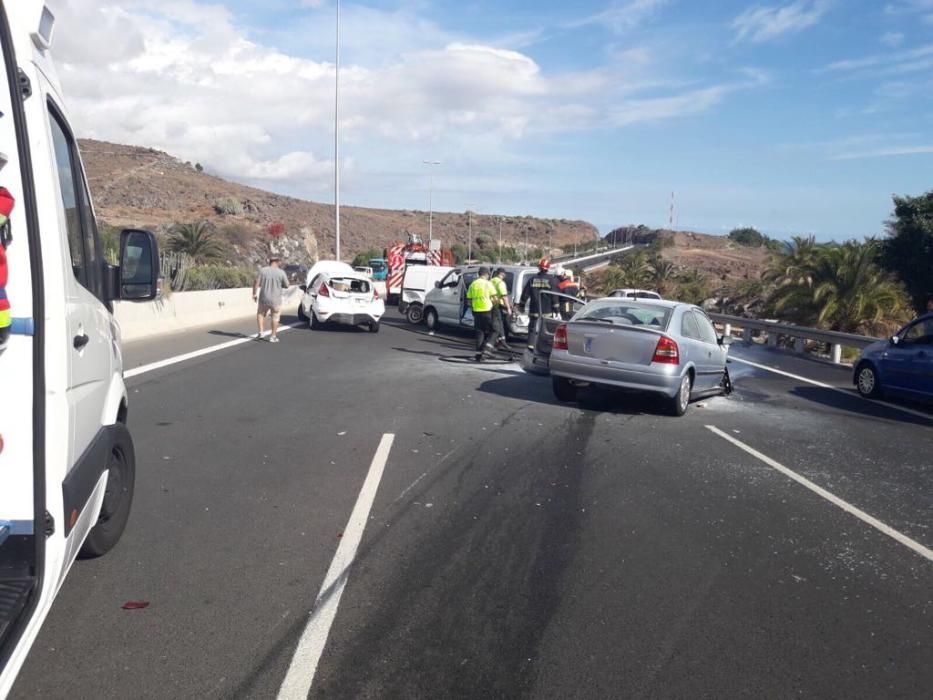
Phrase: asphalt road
(516, 547)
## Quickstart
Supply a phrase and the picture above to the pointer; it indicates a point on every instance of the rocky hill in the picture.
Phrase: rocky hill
(723, 260)
(134, 186)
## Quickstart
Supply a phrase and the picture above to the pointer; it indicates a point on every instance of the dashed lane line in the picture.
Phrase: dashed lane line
(924, 552)
(168, 362)
(303, 667)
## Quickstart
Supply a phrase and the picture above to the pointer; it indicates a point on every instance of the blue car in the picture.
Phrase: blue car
(901, 365)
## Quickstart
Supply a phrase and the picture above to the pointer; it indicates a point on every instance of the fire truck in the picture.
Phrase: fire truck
(414, 252)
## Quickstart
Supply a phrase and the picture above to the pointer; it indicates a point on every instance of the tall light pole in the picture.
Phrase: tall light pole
(499, 256)
(337, 139)
(431, 163)
(470, 235)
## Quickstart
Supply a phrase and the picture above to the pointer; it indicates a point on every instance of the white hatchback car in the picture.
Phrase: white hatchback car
(346, 298)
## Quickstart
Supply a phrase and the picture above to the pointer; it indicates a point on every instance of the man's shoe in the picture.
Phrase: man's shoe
(478, 357)
(273, 339)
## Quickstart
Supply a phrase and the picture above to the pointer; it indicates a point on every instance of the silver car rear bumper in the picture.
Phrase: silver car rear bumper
(658, 379)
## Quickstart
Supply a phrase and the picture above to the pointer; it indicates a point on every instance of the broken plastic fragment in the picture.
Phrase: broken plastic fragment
(135, 605)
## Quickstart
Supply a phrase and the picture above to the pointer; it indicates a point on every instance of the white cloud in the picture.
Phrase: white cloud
(622, 16)
(764, 23)
(898, 62)
(892, 39)
(886, 152)
(182, 76)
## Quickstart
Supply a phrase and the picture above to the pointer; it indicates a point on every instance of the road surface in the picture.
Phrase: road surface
(514, 547)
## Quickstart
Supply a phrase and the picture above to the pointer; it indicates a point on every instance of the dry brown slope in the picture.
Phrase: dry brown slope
(135, 186)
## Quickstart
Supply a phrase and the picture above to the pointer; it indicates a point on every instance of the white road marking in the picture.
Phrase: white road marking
(168, 362)
(835, 500)
(823, 385)
(300, 676)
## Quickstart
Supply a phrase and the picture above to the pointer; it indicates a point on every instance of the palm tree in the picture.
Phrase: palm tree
(853, 292)
(693, 287)
(661, 274)
(197, 240)
(839, 286)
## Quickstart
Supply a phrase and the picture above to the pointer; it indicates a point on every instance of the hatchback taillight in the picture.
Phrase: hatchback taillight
(666, 352)
(375, 294)
(323, 291)
(560, 337)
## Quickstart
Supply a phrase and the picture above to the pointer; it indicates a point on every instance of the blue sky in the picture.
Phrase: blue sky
(795, 116)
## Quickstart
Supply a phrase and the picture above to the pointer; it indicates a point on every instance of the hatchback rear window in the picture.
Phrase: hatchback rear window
(349, 284)
(626, 313)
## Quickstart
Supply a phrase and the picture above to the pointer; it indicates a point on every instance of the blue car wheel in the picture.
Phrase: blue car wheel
(867, 381)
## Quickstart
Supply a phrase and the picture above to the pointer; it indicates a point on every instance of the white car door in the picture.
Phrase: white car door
(90, 334)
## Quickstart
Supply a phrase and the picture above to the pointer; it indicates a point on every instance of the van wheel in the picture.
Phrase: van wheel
(415, 313)
(563, 389)
(430, 319)
(678, 404)
(118, 497)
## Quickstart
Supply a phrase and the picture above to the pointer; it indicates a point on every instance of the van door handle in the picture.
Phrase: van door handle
(80, 341)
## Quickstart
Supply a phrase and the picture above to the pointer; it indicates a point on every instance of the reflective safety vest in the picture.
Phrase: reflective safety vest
(480, 295)
(501, 289)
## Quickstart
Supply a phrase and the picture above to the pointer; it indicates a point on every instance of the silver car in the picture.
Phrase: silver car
(662, 347)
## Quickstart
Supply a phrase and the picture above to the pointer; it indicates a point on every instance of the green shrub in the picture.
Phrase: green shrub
(204, 277)
(228, 205)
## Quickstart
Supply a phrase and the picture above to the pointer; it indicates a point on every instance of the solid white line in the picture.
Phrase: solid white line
(845, 392)
(835, 500)
(136, 371)
(300, 676)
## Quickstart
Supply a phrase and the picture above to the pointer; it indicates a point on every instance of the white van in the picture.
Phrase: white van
(446, 304)
(418, 281)
(67, 463)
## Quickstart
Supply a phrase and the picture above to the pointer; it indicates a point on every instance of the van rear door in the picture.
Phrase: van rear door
(25, 589)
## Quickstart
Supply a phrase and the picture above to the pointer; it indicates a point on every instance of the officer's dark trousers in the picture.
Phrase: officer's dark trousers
(486, 333)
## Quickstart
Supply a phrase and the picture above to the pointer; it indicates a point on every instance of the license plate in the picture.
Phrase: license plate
(362, 302)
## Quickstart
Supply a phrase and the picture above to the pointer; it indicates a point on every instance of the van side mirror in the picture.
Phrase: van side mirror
(725, 340)
(303, 287)
(438, 285)
(139, 266)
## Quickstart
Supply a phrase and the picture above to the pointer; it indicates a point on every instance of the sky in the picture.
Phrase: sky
(793, 116)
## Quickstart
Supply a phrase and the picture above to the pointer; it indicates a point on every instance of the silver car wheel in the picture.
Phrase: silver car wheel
(866, 381)
(684, 392)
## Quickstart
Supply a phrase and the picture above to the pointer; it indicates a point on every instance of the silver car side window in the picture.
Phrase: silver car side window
(688, 327)
(707, 332)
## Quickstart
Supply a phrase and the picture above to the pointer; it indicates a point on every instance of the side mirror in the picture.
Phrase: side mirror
(303, 287)
(725, 340)
(895, 340)
(139, 266)
(438, 285)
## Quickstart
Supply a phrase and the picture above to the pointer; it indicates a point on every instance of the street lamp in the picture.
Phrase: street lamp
(499, 256)
(431, 199)
(337, 139)
(470, 234)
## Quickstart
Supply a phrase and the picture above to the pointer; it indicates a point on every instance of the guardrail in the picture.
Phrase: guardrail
(607, 254)
(775, 330)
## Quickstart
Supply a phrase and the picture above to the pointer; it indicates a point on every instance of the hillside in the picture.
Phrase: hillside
(134, 186)
(724, 261)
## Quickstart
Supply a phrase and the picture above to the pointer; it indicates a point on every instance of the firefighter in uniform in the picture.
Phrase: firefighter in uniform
(481, 294)
(567, 286)
(531, 295)
(503, 307)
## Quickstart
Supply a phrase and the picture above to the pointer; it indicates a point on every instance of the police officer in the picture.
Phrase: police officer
(531, 295)
(481, 294)
(503, 307)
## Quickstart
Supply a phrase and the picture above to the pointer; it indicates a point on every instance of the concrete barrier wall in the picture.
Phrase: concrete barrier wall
(184, 310)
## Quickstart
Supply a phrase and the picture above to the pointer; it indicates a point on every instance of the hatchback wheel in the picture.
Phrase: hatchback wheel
(867, 382)
(315, 324)
(374, 326)
(678, 404)
(302, 316)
